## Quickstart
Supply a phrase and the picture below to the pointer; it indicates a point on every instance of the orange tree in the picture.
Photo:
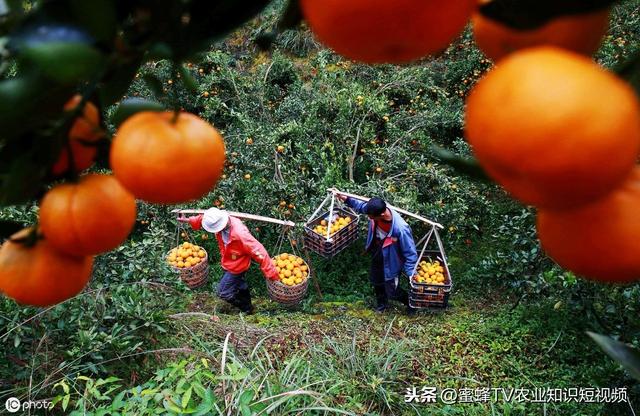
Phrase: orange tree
(61, 48)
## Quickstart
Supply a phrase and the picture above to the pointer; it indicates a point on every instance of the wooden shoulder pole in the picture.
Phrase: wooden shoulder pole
(400, 210)
(241, 215)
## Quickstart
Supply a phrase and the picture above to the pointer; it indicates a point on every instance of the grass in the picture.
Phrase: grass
(372, 359)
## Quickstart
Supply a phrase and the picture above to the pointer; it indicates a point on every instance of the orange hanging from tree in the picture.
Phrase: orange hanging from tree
(601, 240)
(553, 128)
(166, 159)
(383, 31)
(40, 275)
(92, 216)
(580, 33)
(85, 128)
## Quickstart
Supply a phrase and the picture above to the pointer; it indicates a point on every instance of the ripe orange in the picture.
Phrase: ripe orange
(599, 240)
(382, 31)
(84, 128)
(40, 275)
(165, 160)
(553, 128)
(581, 33)
(89, 217)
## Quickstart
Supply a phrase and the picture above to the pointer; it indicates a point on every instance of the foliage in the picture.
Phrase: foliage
(337, 121)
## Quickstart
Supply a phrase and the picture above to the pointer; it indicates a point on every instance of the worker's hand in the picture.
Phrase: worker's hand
(182, 218)
(338, 194)
(274, 276)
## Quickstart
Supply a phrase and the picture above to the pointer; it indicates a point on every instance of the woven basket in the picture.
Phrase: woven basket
(426, 295)
(194, 276)
(288, 295)
(337, 242)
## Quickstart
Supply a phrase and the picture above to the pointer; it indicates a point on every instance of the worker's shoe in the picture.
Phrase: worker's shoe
(381, 299)
(244, 298)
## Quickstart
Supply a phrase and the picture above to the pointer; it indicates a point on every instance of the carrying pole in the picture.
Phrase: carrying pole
(400, 210)
(241, 215)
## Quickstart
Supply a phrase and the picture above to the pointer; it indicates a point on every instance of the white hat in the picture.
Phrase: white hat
(215, 220)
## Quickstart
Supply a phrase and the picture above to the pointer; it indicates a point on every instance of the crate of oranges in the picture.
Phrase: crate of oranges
(294, 279)
(328, 234)
(431, 283)
(190, 262)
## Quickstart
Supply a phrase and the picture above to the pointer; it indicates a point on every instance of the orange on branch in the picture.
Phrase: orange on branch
(580, 33)
(542, 123)
(40, 275)
(84, 128)
(92, 216)
(382, 31)
(600, 240)
(166, 159)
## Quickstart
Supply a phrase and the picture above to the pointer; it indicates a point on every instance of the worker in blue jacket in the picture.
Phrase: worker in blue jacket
(392, 248)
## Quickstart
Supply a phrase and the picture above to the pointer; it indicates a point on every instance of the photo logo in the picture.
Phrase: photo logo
(12, 405)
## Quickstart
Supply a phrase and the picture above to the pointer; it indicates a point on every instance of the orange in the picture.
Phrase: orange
(599, 240)
(165, 159)
(40, 275)
(383, 31)
(89, 217)
(581, 33)
(84, 128)
(553, 128)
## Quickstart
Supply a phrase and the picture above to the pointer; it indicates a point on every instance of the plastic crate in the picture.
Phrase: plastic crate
(427, 295)
(337, 242)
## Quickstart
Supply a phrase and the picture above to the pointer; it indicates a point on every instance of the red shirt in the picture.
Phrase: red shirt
(383, 225)
(240, 249)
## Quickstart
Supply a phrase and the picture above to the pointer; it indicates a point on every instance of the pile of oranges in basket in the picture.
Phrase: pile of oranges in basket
(430, 272)
(292, 269)
(186, 255)
(323, 227)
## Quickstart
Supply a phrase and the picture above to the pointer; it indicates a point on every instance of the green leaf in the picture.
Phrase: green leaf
(292, 16)
(246, 410)
(204, 408)
(169, 405)
(466, 166)
(109, 380)
(259, 407)
(131, 106)
(16, 98)
(65, 402)
(158, 51)
(22, 183)
(187, 79)
(65, 62)
(186, 397)
(246, 397)
(97, 16)
(530, 14)
(117, 82)
(211, 21)
(627, 356)
(154, 84)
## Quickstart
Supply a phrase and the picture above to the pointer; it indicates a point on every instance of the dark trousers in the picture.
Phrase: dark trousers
(230, 284)
(235, 290)
(385, 289)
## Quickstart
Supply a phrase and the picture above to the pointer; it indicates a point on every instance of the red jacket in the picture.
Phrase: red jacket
(241, 248)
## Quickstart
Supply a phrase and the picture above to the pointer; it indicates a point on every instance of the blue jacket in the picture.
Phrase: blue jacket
(398, 249)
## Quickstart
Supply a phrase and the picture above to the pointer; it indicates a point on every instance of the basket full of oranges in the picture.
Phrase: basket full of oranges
(328, 234)
(293, 281)
(431, 283)
(190, 262)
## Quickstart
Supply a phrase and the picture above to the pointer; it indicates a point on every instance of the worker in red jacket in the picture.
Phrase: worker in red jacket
(237, 248)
